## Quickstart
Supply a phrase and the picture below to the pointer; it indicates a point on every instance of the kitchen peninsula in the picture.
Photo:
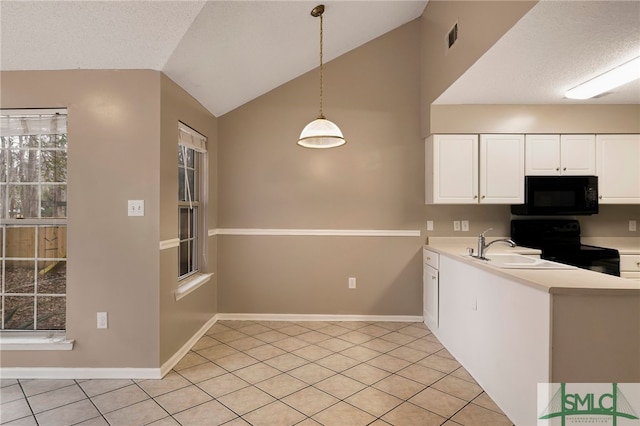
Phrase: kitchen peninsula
(515, 328)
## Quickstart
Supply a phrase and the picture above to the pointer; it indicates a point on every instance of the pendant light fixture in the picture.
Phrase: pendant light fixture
(321, 133)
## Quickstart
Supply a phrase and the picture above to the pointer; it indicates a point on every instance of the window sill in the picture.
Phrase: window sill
(191, 284)
(34, 341)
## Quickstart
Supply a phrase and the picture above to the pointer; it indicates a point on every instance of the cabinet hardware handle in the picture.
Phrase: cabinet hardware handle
(433, 278)
(483, 197)
(428, 258)
(564, 169)
(600, 197)
(475, 196)
(557, 169)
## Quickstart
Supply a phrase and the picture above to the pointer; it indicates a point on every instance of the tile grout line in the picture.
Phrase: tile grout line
(92, 403)
(412, 336)
(367, 386)
(33, 414)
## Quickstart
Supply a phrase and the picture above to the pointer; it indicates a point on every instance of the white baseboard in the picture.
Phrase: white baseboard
(158, 373)
(176, 357)
(106, 373)
(78, 373)
(319, 317)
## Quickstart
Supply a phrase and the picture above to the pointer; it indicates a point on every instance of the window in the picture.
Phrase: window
(191, 164)
(33, 219)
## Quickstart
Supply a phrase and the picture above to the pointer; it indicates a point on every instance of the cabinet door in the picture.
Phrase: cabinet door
(618, 168)
(542, 156)
(451, 169)
(430, 291)
(501, 169)
(578, 155)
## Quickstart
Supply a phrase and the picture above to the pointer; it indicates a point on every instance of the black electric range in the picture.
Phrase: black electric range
(559, 241)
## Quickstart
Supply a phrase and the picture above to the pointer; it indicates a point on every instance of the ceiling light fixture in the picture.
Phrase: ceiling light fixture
(611, 79)
(321, 133)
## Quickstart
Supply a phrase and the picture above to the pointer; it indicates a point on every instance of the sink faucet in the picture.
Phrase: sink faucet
(483, 247)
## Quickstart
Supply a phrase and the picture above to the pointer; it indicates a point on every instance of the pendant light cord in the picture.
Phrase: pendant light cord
(321, 66)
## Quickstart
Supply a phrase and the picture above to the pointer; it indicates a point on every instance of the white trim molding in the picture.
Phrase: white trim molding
(78, 373)
(176, 357)
(158, 373)
(191, 284)
(167, 244)
(318, 232)
(319, 317)
(34, 341)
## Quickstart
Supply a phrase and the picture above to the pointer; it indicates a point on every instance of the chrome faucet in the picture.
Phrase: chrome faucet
(483, 247)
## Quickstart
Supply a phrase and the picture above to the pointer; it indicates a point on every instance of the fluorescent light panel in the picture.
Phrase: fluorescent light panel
(616, 77)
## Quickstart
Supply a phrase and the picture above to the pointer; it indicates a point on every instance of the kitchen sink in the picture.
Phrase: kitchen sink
(519, 261)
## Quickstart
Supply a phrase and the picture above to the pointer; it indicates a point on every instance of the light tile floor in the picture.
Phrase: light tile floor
(275, 373)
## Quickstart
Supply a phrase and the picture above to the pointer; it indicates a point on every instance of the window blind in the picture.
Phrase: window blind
(32, 122)
(191, 139)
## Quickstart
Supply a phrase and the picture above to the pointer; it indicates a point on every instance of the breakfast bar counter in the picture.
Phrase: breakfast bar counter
(515, 328)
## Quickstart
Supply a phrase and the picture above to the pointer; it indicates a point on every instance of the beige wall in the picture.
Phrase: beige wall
(113, 133)
(480, 25)
(179, 320)
(122, 130)
(535, 118)
(373, 182)
(379, 94)
(582, 338)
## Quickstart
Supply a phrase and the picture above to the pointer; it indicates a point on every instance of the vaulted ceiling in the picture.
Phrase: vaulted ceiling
(226, 53)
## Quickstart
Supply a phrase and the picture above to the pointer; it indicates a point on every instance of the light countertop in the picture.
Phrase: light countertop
(625, 245)
(557, 281)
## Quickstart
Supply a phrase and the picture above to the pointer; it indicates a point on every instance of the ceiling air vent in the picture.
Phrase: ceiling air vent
(452, 37)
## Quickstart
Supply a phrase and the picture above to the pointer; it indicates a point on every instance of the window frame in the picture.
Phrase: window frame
(192, 207)
(38, 223)
(196, 205)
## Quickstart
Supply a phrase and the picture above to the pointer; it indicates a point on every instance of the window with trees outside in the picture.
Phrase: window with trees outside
(33, 219)
(191, 150)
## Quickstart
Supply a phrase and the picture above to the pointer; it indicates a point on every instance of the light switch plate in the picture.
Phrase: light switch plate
(429, 225)
(102, 321)
(352, 282)
(632, 226)
(136, 208)
(456, 225)
(465, 226)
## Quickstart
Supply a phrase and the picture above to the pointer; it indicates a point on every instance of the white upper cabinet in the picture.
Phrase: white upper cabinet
(501, 169)
(618, 168)
(560, 155)
(578, 155)
(451, 169)
(465, 169)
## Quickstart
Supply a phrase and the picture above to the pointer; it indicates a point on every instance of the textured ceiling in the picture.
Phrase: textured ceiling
(226, 53)
(556, 46)
(52, 35)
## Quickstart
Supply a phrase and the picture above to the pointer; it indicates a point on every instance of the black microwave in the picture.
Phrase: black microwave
(559, 195)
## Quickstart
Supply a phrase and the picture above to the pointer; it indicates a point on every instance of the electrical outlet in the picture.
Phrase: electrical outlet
(352, 282)
(632, 226)
(456, 225)
(465, 226)
(102, 320)
(429, 225)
